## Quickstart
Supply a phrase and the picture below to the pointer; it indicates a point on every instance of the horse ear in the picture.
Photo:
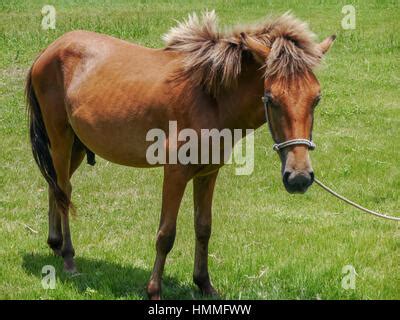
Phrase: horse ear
(326, 44)
(259, 50)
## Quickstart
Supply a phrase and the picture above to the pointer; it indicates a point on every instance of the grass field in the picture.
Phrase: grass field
(266, 244)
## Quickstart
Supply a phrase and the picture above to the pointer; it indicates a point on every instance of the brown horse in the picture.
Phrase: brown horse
(93, 94)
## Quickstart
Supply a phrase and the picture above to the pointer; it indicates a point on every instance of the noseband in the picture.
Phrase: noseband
(278, 146)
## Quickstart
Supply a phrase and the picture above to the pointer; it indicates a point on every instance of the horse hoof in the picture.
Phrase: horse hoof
(69, 266)
(154, 297)
(153, 291)
(209, 291)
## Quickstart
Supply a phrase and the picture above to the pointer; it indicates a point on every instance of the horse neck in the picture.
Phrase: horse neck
(241, 106)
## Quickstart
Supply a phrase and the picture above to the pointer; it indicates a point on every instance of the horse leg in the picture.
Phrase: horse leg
(203, 188)
(61, 153)
(173, 188)
(55, 238)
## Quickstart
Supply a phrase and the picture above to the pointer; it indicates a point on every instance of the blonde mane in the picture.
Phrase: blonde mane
(213, 58)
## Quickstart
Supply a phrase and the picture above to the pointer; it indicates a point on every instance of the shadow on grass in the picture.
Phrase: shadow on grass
(107, 280)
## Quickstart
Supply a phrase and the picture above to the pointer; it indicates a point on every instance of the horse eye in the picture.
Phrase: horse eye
(316, 101)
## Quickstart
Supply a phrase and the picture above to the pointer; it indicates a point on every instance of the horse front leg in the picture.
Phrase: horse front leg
(203, 189)
(173, 188)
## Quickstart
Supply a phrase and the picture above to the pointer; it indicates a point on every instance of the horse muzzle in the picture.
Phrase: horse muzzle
(297, 181)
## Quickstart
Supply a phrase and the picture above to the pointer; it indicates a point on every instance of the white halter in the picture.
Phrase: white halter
(278, 146)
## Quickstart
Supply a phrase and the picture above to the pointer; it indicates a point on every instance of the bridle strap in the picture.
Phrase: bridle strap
(278, 146)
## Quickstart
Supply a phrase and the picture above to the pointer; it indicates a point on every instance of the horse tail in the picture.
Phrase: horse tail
(40, 144)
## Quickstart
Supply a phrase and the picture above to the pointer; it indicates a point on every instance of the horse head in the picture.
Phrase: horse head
(291, 93)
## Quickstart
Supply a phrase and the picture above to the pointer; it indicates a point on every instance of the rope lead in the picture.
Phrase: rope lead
(380, 215)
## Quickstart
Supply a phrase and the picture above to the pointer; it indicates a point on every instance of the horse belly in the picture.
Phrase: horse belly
(116, 138)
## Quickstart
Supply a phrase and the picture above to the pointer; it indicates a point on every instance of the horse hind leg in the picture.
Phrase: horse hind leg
(55, 238)
(61, 140)
(61, 152)
(65, 160)
(52, 140)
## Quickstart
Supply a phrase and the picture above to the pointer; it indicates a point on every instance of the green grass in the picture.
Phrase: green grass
(266, 244)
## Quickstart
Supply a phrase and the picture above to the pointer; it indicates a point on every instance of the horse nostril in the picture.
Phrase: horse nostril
(312, 176)
(286, 176)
